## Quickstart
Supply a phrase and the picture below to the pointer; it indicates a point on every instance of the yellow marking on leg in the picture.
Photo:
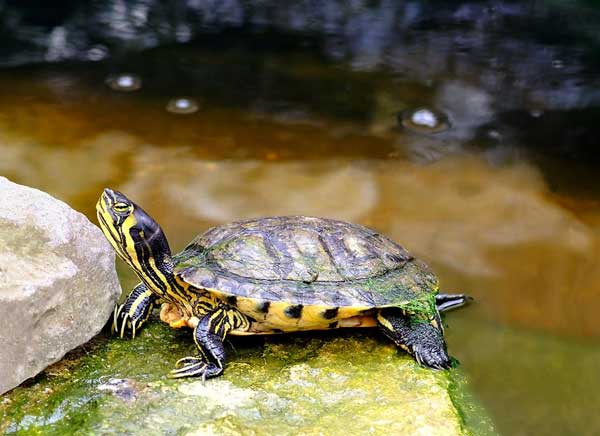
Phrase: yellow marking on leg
(139, 301)
(384, 322)
(212, 318)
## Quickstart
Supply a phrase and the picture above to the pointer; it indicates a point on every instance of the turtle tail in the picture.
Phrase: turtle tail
(446, 302)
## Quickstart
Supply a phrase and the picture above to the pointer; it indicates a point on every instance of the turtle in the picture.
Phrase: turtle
(274, 275)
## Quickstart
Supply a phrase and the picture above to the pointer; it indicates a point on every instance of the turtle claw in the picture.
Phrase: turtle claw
(134, 312)
(195, 367)
(181, 362)
(124, 322)
(432, 358)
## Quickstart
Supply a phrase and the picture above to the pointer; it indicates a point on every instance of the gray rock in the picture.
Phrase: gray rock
(58, 283)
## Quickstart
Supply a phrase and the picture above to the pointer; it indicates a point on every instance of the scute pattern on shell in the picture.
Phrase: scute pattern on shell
(301, 248)
(305, 260)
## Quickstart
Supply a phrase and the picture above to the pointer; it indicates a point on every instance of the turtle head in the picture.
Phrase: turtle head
(134, 235)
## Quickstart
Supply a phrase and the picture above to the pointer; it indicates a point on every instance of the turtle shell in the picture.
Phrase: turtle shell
(304, 261)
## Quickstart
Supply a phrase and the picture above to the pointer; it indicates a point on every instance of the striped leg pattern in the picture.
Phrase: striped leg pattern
(208, 336)
(134, 312)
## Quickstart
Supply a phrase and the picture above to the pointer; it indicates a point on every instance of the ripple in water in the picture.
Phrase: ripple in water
(424, 120)
(182, 105)
(124, 82)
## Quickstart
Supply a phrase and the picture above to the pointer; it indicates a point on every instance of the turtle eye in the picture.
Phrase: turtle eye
(121, 207)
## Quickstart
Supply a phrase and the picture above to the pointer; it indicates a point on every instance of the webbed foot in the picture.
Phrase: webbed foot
(429, 347)
(423, 339)
(208, 336)
(195, 367)
(134, 312)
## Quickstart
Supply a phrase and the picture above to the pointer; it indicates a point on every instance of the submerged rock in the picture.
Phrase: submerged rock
(57, 281)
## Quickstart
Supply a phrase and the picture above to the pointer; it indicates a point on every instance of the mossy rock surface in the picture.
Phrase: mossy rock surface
(309, 384)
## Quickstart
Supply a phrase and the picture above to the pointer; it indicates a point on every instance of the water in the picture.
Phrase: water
(298, 114)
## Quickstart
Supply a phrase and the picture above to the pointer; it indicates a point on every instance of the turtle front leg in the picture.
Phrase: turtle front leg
(209, 335)
(134, 312)
(422, 339)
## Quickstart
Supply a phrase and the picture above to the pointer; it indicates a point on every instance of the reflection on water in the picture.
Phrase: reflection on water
(299, 115)
(475, 222)
(544, 384)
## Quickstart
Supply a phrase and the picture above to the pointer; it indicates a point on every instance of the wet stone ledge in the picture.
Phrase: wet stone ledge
(294, 384)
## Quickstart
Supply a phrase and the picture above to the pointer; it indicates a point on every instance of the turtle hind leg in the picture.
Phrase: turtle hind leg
(208, 336)
(421, 339)
(446, 302)
(134, 312)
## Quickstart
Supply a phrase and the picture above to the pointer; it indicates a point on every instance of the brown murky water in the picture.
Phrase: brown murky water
(529, 254)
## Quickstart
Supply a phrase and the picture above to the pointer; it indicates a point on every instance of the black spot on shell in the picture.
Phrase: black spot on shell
(232, 300)
(263, 307)
(294, 311)
(330, 313)
(333, 325)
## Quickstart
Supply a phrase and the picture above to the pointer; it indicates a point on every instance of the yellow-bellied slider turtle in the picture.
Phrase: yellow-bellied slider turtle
(272, 275)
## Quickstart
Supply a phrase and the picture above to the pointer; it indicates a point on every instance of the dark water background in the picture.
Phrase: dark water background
(298, 108)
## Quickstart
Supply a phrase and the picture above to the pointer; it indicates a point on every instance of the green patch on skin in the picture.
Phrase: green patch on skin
(280, 384)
